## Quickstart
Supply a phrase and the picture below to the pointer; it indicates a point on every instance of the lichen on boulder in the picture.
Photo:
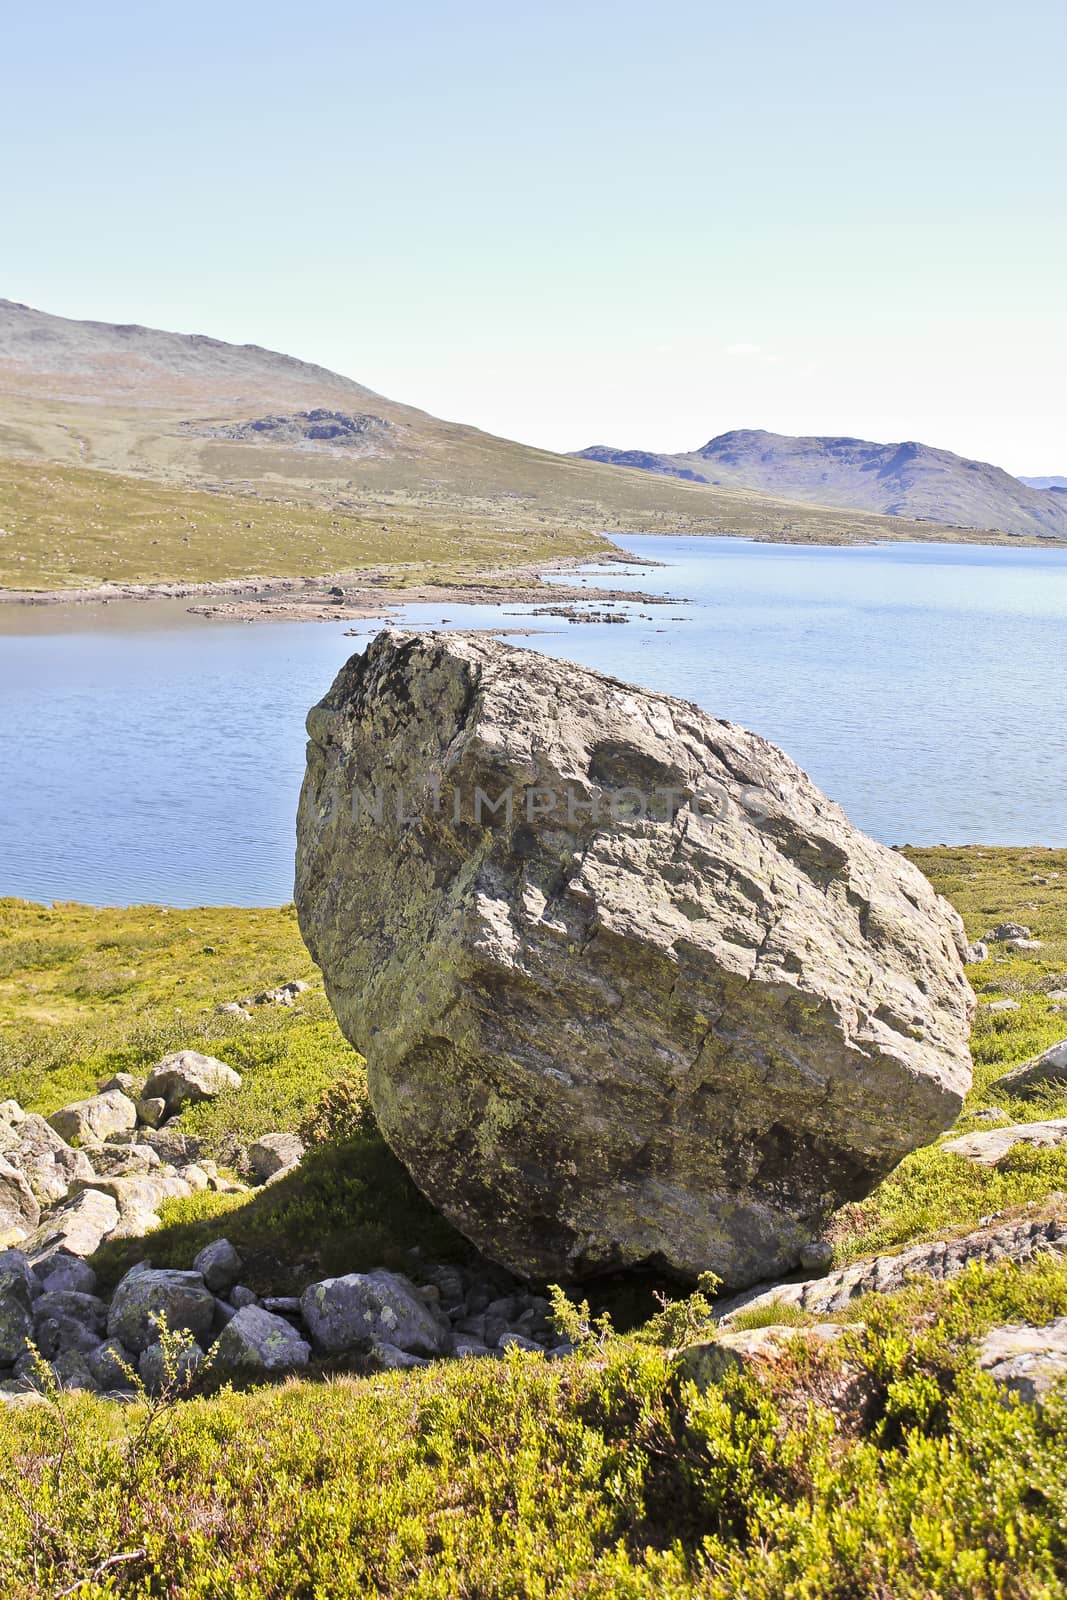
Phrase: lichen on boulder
(630, 988)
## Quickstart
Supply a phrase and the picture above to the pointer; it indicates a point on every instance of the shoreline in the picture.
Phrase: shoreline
(366, 595)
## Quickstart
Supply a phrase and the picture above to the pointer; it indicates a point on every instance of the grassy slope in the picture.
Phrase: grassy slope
(596, 1477)
(71, 527)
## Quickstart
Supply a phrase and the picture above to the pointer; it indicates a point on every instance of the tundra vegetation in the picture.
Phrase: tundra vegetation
(886, 1464)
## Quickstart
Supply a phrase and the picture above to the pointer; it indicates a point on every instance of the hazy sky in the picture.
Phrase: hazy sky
(571, 223)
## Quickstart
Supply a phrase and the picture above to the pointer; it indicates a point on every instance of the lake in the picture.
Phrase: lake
(153, 756)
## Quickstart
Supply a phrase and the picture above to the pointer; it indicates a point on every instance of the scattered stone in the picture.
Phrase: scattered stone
(152, 1366)
(1049, 1067)
(518, 1341)
(19, 1209)
(182, 1297)
(124, 1160)
(93, 1121)
(47, 1162)
(126, 1083)
(996, 1007)
(171, 1145)
(342, 1314)
(676, 1012)
(241, 1296)
(151, 1111)
(187, 1077)
(77, 1228)
(385, 1357)
(232, 1009)
(218, 1264)
(708, 1363)
(818, 1256)
(274, 1154)
(1005, 931)
(1019, 1240)
(112, 1365)
(258, 1343)
(989, 1149)
(18, 1290)
(1026, 1360)
(61, 1271)
(979, 951)
(1024, 944)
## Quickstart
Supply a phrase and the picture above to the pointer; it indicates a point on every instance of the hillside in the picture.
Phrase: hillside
(191, 412)
(895, 480)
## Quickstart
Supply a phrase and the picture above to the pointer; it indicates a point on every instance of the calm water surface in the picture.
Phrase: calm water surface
(152, 756)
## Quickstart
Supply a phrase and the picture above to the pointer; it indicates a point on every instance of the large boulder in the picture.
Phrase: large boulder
(187, 1077)
(78, 1228)
(1048, 1068)
(663, 1004)
(258, 1344)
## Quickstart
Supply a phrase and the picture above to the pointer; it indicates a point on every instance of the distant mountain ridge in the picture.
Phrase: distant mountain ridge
(907, 479)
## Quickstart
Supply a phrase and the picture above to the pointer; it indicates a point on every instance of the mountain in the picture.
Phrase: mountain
(896, 480)
(1046, 483)
(189, 413)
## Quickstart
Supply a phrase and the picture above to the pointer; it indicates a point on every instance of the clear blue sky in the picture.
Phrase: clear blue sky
(612, 223)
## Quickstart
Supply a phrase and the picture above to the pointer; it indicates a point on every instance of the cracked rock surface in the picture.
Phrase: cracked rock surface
(665, 1005)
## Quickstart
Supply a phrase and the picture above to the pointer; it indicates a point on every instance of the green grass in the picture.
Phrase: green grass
(887, 1466)
(73, 527)
(900, 1475)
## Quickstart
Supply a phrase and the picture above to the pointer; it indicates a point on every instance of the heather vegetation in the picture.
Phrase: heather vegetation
(887, 1464)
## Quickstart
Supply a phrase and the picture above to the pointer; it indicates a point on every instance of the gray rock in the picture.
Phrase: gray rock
(123, 1160)
(676, 1012)
(258, 1343)
(151, 1110)
(194, 1175)
(187, 1077)
(125, 1082)
(979, 951)
(1005, 931)
(346, 1313)
(112, 1365)
(938, 1261)
(182, 1297)
(284, 1305)
(707, 1364)
(1024, 944)
(152, 1367)
(385, 1357)
(518, 1341)
(998, 1007)
(87, 1309)
(18, 1291)
(67, 1272)
(78, 1228)
(241, 1296)
(45, 1160)
(19, 1209)
(988, 1149)
(219, 1265)
(93, 1121)
(71, 1371)
(275, 1153)
(171, 1144)
(1049, 1067)
(816, 1256)
(1026, 1360)
(231, 1009)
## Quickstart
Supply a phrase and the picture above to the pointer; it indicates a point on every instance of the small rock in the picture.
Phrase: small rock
(77, 1228)
(232, 1009)
(152, 1110)
(182, 1297)
(19, 1209)
(345, 1313)
(518, 1341)
(241, 1296)
(125, 1083)
(1026, 1360)
(386, 1357)
(818, 1256)
(219, 1265)
(1005, 931)
(47, 1162)
(275, 1153)
(979, 951)
(67, 1272)
(186, 1077)
(1024, 944)
(996, 1007)
(1049, 1067)
(152, 1367)
(93, 1121)
(989, 1149)
(111, 1365)
(124, 1160)
(258, 1343)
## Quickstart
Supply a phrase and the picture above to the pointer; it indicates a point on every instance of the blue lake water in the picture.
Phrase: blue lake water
(152, 756)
